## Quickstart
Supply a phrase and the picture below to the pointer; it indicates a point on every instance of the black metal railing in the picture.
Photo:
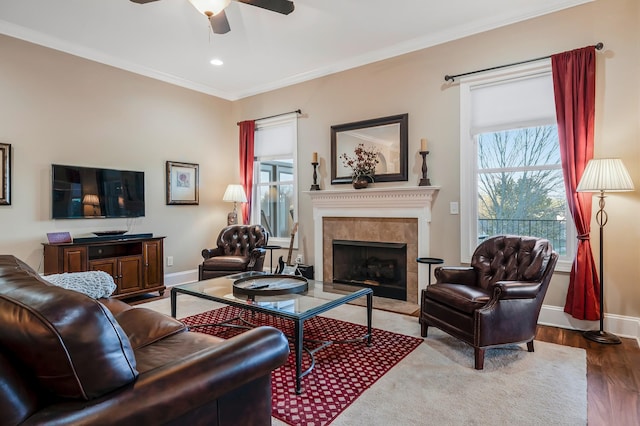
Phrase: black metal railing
(553, 230)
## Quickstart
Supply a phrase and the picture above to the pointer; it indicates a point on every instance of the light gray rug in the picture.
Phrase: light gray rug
(437, 385)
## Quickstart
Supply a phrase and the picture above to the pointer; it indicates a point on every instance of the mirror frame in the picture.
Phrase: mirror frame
(402, 141)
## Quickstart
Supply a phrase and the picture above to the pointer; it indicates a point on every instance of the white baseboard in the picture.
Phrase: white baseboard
(619, 325)
(182, 277)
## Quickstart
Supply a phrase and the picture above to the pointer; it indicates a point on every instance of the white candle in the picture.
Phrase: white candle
(315, 157)
(423, 144)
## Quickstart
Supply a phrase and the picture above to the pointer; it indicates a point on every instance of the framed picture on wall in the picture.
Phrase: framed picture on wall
(182, 183)
(5, 174)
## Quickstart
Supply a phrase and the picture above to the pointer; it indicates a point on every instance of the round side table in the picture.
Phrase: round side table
(271, 249)
(430, 261)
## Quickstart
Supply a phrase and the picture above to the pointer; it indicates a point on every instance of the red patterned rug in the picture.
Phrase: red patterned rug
(342, 371)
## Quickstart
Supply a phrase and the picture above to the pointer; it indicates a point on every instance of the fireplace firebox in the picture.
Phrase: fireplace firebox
(378, 265)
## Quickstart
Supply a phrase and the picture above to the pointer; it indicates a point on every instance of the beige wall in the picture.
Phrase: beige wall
(58, 108)
(414, 83)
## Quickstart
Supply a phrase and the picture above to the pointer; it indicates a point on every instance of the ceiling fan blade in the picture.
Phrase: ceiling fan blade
(143, 1)
(280, 6)
(219, 23)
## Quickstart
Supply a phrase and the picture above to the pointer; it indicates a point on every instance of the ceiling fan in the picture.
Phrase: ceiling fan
(214, 10)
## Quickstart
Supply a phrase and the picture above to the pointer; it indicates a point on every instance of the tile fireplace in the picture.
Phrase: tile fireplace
(391, 215)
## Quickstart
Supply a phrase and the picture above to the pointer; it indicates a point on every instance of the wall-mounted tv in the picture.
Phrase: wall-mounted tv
(89, 192)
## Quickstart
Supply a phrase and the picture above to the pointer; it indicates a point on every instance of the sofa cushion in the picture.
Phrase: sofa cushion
(459, 296)
(144, 326)
(71, 343)
(226, 263)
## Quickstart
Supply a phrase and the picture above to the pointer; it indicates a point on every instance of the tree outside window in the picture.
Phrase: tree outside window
(520, 185)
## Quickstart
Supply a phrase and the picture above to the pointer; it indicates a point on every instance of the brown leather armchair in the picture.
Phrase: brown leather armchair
(239, 248)
(497, 299)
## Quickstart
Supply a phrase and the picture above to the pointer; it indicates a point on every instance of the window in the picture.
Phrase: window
(274, 203)
(511, 174)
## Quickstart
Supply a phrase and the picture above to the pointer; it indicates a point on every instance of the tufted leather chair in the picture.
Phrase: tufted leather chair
(497, 299)
(239, 248)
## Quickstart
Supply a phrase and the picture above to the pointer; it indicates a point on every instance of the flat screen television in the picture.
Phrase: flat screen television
(89, 192)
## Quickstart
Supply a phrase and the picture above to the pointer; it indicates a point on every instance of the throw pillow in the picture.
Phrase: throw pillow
(95, 284)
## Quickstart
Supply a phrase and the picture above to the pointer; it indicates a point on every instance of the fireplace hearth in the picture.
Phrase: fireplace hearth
(380, 266)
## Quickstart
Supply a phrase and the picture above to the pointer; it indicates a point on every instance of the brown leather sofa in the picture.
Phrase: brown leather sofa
(67, 359)
(239, 248)
(494, 301)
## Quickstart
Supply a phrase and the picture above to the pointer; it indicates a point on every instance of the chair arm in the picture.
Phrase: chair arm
(516, 290)
(254, 255)
(170, 391)
(455, 275)
(209, 253)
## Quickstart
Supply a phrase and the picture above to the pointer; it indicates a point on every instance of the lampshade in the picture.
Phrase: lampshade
(91, 200)
(605, 174)
(235, 193)
(211, 6)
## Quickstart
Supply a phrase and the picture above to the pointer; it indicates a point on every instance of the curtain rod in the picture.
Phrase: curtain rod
(598, 46)
(277, 115)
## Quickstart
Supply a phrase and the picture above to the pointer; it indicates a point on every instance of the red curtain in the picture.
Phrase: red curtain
(247, 129)
(574, 84)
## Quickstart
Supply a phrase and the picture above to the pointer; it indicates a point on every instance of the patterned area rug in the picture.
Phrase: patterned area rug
(342, 371)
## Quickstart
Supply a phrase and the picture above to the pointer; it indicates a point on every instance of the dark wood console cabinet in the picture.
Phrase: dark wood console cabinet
(136, 264)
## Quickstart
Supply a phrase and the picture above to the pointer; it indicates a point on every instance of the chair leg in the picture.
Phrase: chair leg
(530, 346)
(423, 328)
(479, 358)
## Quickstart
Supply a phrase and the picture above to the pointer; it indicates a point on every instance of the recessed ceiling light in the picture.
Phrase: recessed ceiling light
(216, 62)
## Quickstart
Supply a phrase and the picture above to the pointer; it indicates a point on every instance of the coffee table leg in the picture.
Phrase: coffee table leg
(369, 315)
(173, 302)
(297, 342)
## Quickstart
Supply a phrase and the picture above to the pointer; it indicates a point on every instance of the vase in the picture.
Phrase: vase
(360, 182)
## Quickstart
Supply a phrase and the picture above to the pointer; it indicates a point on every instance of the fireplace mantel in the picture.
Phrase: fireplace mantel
(385, 197)
(377, 202)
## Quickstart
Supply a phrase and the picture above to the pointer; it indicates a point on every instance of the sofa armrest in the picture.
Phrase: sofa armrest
(172, 391)
(209, 253)
(505, 290)
(455, 275)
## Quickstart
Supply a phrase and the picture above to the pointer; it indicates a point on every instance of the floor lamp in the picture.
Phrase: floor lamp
(235, 194)
(604, 175)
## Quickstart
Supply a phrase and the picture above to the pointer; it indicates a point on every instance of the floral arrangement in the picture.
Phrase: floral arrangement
(363, 163)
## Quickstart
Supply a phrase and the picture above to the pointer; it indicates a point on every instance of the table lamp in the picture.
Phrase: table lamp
(604, 175)
(236, 194)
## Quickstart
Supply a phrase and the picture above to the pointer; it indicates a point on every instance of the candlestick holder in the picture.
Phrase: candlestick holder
(425, 180)
(315, 186)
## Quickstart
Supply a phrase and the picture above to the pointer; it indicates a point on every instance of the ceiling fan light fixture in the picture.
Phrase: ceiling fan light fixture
(210, 7)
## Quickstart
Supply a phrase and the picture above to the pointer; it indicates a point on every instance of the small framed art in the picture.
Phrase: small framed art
(182, 183)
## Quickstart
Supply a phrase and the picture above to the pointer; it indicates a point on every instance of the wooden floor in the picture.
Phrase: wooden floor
(613, 376)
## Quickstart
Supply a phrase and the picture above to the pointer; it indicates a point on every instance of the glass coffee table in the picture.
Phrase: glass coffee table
(318, 297)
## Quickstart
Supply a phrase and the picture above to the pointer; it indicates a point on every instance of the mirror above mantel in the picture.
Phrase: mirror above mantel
(387, 135)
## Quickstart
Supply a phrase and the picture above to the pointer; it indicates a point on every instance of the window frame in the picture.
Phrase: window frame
(287, 119)
(469, 160)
